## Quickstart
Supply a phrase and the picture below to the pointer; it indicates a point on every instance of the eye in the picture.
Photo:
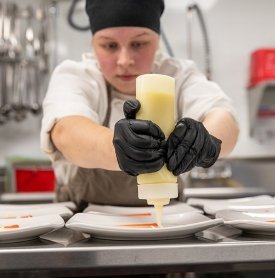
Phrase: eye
(138, 44)
(110, 46)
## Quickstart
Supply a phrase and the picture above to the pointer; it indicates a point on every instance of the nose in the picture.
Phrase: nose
(125, 58)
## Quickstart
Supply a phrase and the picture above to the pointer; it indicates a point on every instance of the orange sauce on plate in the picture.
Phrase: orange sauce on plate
(138, 214)
(20, 216)
(14, 226)
(142, 225)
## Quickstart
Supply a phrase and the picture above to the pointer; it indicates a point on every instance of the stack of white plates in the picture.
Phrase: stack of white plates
(25, 222)
(251, 214)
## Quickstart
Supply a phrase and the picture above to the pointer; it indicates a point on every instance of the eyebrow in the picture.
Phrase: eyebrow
(142, 34)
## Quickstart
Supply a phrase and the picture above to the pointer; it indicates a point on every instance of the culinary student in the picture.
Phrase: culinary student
(89, 129)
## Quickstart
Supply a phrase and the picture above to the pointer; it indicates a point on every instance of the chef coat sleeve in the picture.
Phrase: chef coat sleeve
(72, 91)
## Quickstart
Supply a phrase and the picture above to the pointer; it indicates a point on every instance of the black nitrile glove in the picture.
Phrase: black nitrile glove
(191, 145)
(139, 144)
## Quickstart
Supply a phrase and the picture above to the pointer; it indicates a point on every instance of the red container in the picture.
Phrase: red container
(34, 180)
(262, 66)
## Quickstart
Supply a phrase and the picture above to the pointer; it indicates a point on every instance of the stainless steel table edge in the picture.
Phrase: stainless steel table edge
(137, 259)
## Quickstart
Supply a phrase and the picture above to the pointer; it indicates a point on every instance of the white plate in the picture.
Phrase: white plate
(69, 205)
(29, 228)
(260, 221)
(113, 227)
(212, 206)
(13, 212)
(174, 207)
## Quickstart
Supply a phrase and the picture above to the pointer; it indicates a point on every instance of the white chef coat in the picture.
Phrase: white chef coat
(78, 88)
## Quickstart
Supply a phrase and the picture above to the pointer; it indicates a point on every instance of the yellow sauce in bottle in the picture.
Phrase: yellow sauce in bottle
(156, 93)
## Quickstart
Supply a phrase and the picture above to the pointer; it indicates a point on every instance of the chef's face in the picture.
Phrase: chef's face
(124, 53)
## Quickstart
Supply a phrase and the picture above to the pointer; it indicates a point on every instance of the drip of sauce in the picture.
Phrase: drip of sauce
(159, 209)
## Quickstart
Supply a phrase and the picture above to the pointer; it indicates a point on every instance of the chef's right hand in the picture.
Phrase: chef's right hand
(139, 144)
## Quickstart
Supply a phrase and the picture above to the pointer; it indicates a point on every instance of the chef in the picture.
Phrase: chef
(89, 128)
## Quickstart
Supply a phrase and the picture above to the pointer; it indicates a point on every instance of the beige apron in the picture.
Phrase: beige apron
(100, 186)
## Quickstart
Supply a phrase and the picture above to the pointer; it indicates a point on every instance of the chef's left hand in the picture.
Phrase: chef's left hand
(190, 145)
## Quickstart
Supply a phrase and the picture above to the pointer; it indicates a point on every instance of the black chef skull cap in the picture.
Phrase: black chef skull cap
(116, 13)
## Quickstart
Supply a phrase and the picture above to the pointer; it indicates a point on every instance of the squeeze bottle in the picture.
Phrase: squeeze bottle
(156, 94)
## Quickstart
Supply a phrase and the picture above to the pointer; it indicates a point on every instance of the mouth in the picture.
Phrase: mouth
(127, 77)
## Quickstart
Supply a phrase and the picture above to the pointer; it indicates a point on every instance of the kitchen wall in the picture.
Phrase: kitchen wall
(235, 29)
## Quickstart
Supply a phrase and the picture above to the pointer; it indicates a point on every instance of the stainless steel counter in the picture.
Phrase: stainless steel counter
(71, 254)
(65, 253)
